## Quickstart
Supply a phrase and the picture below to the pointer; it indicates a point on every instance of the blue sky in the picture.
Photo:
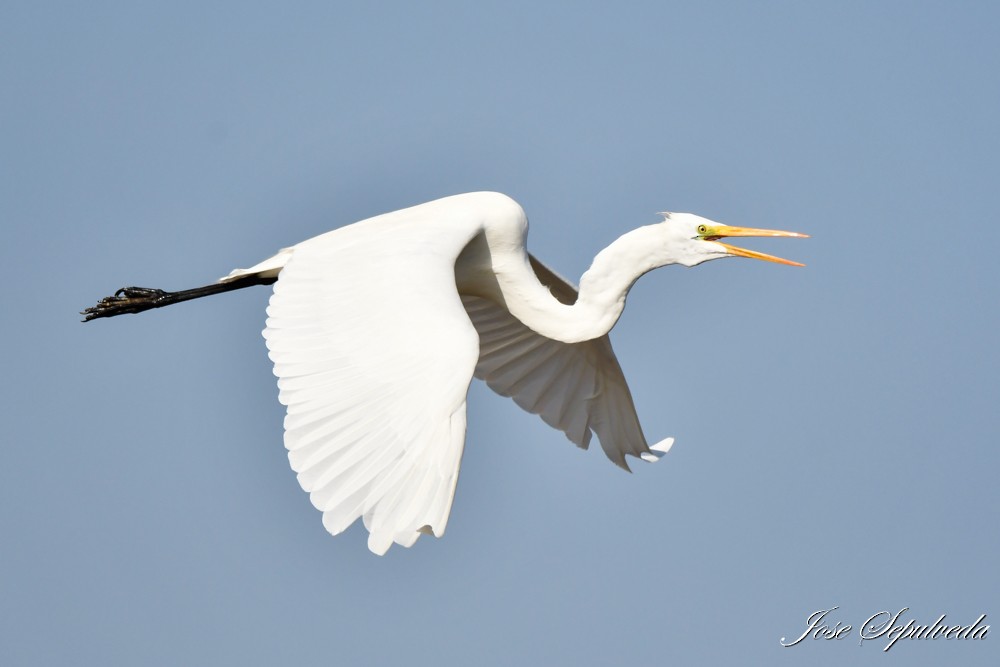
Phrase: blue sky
(836, 425)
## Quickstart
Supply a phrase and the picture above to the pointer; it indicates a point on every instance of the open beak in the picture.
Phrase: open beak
(725, 231)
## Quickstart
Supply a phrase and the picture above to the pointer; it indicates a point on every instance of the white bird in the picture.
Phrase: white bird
(376, 330)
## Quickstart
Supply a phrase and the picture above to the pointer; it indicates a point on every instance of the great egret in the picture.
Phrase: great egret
(377, 328)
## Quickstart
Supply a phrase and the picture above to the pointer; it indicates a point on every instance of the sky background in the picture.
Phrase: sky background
(836, 425)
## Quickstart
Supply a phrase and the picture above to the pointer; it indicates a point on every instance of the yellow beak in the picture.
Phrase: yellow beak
(725, 231)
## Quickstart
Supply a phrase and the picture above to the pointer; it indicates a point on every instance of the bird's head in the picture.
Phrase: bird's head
(695, 239)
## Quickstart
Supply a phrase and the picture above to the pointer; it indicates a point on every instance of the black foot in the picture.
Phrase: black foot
(127, 300)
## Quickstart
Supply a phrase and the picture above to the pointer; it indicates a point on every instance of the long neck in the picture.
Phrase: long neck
(603, 288)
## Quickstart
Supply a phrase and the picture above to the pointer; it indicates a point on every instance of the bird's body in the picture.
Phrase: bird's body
(377, 328)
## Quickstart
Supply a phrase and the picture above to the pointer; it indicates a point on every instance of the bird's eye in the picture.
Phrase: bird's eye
(702, 229)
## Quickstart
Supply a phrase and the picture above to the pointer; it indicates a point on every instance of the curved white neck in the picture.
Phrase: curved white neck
(603, 288)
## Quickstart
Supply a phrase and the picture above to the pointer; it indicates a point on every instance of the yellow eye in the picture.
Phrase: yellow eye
(702, 229)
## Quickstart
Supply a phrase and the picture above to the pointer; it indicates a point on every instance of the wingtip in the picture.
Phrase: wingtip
(657, 451)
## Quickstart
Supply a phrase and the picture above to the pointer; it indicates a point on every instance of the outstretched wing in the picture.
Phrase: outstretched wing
(577, 388)
(374, 354)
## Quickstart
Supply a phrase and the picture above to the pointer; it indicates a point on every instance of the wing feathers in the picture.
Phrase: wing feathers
(374, 350)
(577, 388)
(374, 354)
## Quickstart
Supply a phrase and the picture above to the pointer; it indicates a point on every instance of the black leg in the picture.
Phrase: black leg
(138, 299)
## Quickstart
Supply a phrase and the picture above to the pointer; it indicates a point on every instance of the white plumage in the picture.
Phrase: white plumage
(376, 330)
(374, 352)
